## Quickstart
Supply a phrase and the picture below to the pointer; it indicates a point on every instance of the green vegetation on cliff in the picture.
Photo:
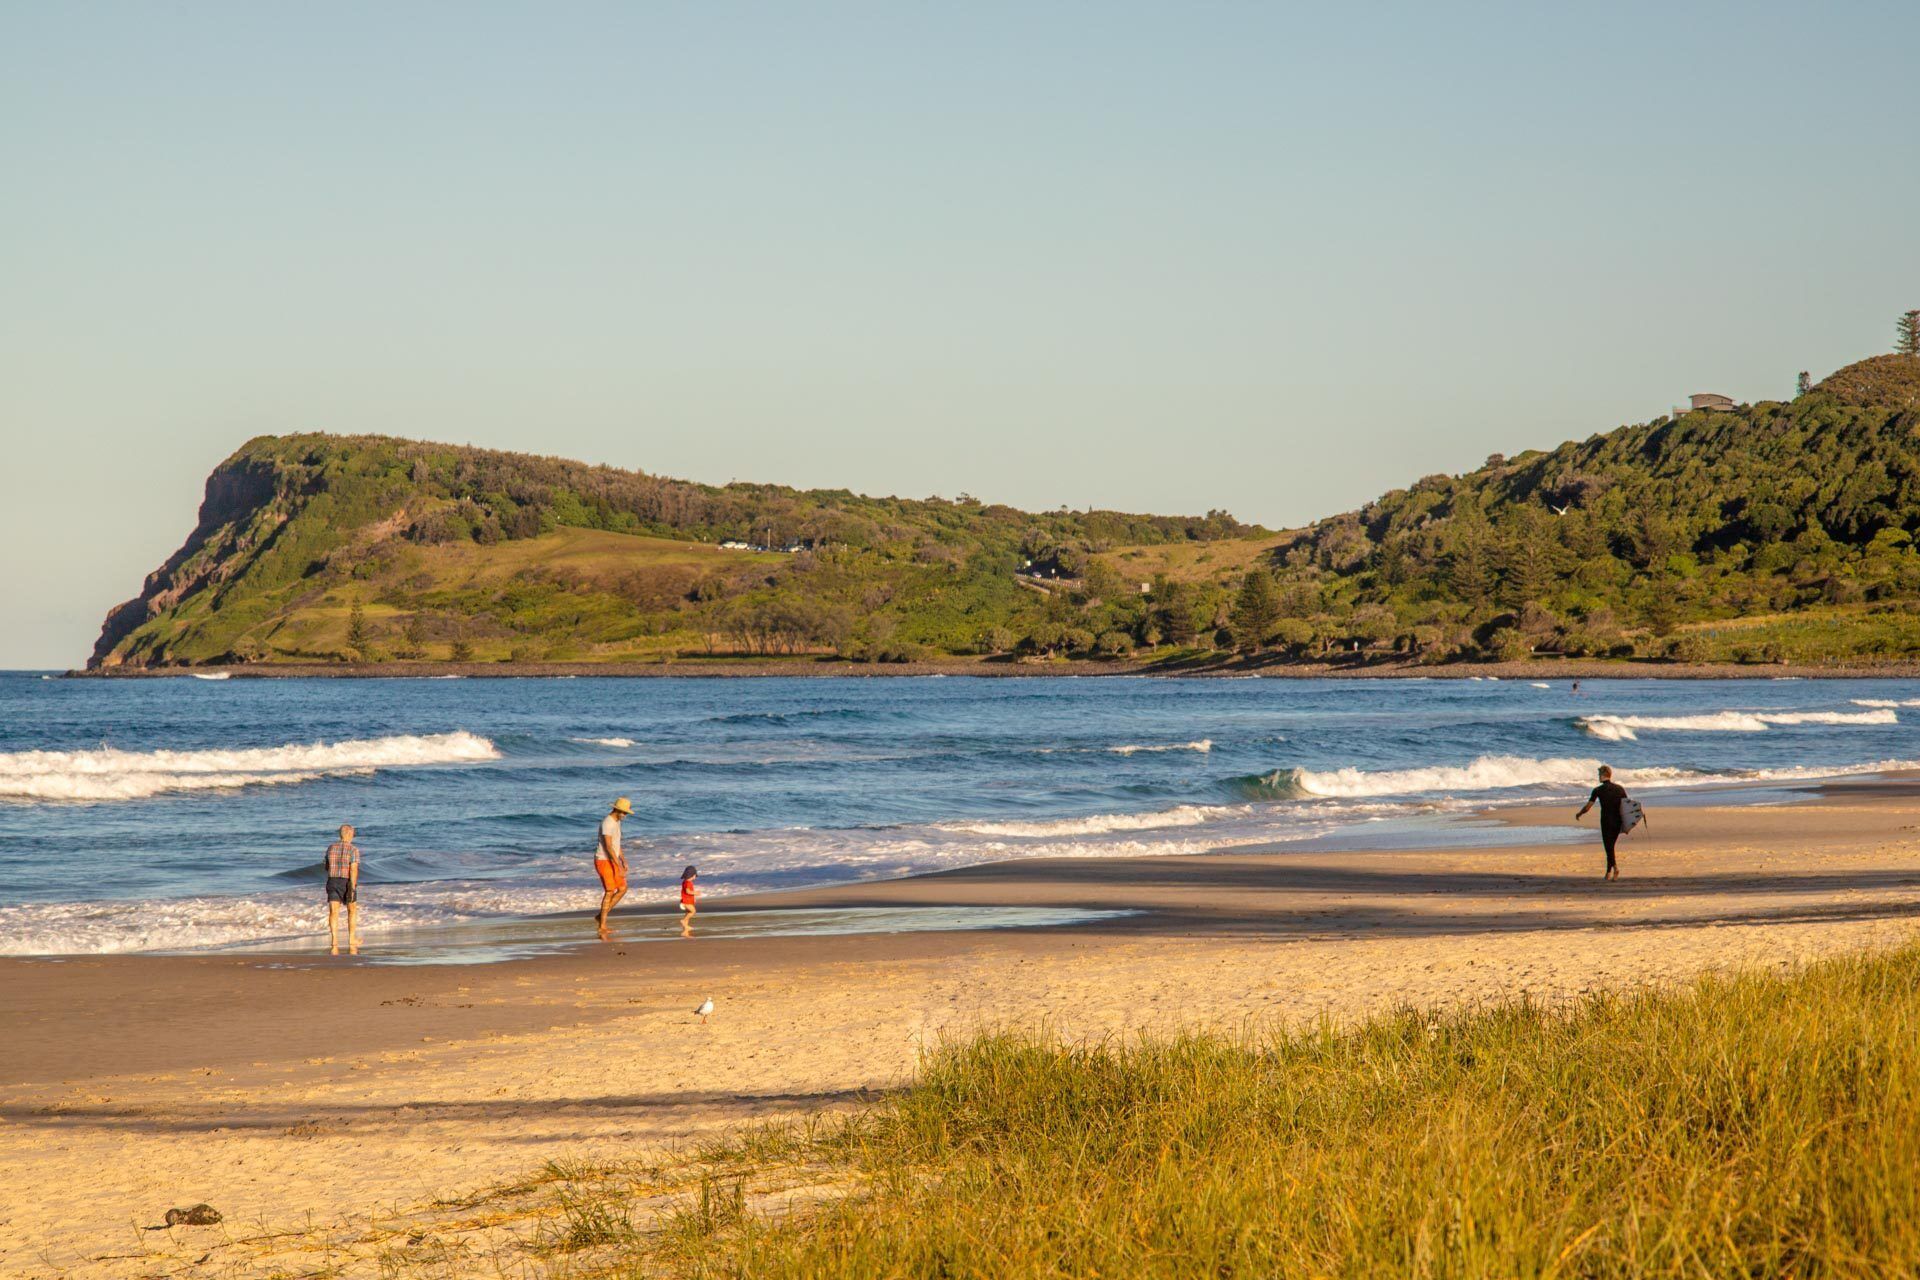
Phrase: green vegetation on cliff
(316, 547)
(1776, 531)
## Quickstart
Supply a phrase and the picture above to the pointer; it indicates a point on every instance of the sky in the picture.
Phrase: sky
(1274, 258)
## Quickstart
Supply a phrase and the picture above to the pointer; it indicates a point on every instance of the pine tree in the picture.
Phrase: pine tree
(1804, 385)
(1256, 610)
(1470, 570)
(1907, 330)
(357, 635)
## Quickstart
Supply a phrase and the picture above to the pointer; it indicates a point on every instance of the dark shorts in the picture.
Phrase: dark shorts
(341, 889)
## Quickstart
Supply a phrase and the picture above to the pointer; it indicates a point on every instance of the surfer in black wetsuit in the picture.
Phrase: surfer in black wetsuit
(1608, 796)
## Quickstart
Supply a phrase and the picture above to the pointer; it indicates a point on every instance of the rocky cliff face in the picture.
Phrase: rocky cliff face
(237, 493)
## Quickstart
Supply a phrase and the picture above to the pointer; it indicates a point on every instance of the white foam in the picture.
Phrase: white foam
(1539, 684)
(1881, 716)
(730, 862)
(107, 773)
(1198, 744)
(1185, 815)
(1886, 702)
(1496, 773)
(1487, 773)
(1623, 728)
(602, 742)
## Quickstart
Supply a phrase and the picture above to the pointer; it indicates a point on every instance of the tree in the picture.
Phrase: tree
(1295, 633)
(1255, 609)
(358, 637)
(1907, 334)
(1173, 610)
(997, 640)
(1508, 644)
(1046, 636)
(1102, 581)
(1469, 570)
(1803, 385)
(1660, 612)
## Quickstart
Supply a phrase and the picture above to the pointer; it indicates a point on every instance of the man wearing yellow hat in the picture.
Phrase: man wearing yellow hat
(611, 863)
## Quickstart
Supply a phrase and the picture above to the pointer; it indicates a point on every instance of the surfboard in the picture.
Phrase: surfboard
(1630, 814)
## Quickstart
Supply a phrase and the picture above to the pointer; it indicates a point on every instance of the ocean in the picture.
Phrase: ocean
(177, 814)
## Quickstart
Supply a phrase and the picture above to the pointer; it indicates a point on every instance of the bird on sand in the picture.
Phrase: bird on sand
(706, 1007)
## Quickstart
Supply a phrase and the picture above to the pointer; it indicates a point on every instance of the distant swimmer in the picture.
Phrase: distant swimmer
(1618, 815)
(1576, 688)
(689, 900)
(343, 890)
(611, 863)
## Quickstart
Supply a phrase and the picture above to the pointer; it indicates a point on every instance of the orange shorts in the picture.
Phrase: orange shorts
(613, 878)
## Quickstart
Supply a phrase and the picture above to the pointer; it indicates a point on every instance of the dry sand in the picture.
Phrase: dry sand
(313, 1102)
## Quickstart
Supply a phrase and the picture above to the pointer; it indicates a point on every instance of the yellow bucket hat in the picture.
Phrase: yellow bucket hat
(623, 805)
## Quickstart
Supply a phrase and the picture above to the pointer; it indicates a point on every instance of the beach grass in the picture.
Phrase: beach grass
(1743, 1125)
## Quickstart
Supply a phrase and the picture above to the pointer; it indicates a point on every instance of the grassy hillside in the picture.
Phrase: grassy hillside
(1663, 539)
(318, 547)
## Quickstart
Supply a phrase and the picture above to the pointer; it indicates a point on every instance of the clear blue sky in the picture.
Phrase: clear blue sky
(1274, 258)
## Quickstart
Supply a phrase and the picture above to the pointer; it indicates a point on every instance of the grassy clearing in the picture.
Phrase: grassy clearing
(1223, 561)
(1744, 1126)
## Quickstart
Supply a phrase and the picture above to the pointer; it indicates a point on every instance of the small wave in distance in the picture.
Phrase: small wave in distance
(1624, 728)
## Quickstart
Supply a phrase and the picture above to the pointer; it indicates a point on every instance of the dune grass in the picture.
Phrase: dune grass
(1751, 1125)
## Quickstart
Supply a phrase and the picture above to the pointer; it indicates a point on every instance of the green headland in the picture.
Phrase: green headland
(1779, 531)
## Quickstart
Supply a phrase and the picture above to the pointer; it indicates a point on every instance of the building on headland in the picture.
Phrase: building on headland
(1709, 402)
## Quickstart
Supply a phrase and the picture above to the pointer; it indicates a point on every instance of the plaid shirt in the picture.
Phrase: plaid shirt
(343, 859)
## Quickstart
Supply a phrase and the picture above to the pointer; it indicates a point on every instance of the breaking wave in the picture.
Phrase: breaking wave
(606, 742)
(1498, 773)
(1185, 815)
(1198, 744)
(1486, 773)
(1623, 728)
(109, 774)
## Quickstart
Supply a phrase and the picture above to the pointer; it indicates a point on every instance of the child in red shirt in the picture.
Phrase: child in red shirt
(688, 897)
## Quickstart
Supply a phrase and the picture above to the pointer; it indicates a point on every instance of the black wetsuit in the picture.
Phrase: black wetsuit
(1608, 796)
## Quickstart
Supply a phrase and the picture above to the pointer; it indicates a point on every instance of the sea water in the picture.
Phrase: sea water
(144, 815)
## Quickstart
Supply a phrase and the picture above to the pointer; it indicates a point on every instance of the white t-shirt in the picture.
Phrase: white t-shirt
(610, 828)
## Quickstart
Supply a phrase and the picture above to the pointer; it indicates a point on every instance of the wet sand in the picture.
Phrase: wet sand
(308, 1098)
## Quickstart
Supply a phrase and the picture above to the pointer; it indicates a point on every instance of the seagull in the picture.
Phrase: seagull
(706, 1007)
(1559, 511)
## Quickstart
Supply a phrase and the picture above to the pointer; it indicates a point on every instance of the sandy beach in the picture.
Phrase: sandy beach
(322, 1106)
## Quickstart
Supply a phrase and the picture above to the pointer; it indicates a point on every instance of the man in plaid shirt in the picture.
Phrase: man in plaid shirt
(343, 890)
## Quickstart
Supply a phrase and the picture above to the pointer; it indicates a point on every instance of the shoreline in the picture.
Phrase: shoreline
(478, 941)
(134, 1083)
(994, 668)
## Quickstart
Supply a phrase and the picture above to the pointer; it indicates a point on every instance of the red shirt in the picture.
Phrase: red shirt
(686, 893)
